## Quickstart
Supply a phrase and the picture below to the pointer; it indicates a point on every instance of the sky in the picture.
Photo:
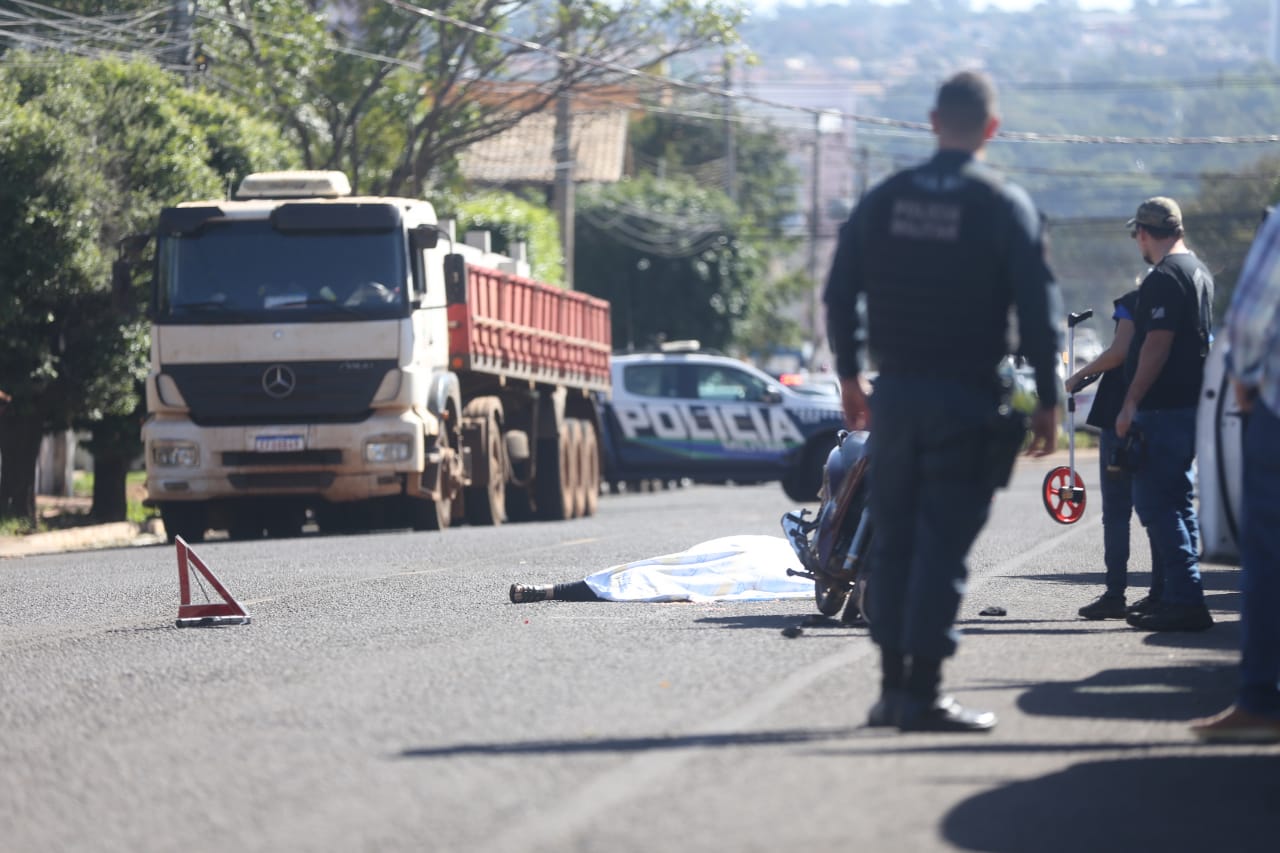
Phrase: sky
(1006, 5)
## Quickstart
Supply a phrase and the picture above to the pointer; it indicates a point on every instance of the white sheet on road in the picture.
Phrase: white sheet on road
(734, 568)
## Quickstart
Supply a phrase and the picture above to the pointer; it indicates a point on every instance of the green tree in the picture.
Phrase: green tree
(121, 139)
(391, 95)
(511, 219)
(675, 259)
(1224, 216)
(763, 185)
(49, 304)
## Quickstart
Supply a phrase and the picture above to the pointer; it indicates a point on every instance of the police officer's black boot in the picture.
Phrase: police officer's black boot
(924, 709)
(893, 675)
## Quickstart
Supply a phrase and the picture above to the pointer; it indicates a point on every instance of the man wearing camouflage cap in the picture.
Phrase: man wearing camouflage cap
(1165, 366)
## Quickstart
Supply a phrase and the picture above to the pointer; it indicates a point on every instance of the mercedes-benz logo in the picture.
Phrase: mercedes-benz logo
(278, 381)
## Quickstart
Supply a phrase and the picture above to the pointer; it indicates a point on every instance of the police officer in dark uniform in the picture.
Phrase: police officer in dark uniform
(924, 276)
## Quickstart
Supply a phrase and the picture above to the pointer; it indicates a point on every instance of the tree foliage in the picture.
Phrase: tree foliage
(672, 257)
(91, 149)
(763, 184)
(511, 219)
(390, 94)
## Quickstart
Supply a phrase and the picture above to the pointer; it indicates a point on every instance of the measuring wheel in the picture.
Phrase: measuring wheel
(1063, 494)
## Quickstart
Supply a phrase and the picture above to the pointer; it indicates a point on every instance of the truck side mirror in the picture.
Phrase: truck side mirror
(128, 255)
(455, 279)
(121, 285)
(423, 237)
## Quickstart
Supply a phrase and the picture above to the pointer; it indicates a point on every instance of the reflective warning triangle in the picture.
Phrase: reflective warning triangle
(228, 612)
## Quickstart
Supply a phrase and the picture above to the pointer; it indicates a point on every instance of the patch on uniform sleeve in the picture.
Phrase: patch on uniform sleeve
(925, 220)
(1157, 313)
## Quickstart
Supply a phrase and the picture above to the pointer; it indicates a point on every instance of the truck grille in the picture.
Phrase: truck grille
(281, 392)
(287, 480)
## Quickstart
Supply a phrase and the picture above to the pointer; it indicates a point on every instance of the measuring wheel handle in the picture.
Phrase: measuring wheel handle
(1064, 495)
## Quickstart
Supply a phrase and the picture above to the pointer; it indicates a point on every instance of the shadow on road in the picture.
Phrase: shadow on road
(1169, 804)
(1173, 693)
(775, 621)
(1214, 578)
(632, 744)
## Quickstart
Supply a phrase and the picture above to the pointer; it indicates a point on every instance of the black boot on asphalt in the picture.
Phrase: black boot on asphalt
(521, 593)
(1143, 605)
(1106, 607)
(886, 710)
(1173, 617)
(944, 714)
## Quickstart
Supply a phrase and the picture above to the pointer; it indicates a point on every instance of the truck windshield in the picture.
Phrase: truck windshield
(238, 271)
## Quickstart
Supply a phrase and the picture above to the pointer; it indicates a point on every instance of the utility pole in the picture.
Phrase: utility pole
(730, 146)
(182, 15)
(562, 154)
(562, 150)
(815, 177)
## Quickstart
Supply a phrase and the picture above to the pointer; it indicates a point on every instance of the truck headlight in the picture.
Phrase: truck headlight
(388, 448)
(175, 454)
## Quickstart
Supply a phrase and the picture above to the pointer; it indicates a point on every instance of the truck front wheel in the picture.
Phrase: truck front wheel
(487, 504)
(426, 514)
(187, 520)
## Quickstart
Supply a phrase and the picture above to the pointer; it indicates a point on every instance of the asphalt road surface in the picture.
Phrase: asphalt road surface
(388, 697)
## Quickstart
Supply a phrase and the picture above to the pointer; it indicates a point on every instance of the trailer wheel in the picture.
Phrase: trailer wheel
(590, 469)
(577, 462)
(487, 504)
(555, 476)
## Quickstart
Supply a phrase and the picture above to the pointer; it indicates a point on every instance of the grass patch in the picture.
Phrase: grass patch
(14, 526)
(135, 491)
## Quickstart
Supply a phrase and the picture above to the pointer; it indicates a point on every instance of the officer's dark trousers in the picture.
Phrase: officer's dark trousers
(930, 496)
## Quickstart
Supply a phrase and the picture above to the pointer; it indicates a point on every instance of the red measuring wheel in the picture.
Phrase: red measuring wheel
(1063, 494)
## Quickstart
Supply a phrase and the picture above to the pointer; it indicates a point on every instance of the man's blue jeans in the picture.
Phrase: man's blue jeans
(1260, 559)
(930, 496)
(1163, 495)
(1117, 509)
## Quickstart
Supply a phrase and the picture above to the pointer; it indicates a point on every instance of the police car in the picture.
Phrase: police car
(713, 419)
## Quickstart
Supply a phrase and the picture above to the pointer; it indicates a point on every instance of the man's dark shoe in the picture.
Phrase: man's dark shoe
(1174, 617)
(1106, 607)
(944, 714)
(885, 711)
(1143, 605)
(522, 593)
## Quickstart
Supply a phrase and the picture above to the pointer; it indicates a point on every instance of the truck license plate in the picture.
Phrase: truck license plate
(278, 443)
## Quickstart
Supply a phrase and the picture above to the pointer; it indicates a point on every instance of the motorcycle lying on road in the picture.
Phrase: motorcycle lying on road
(833, 544)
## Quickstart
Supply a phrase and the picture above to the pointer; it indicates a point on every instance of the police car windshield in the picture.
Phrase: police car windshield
(678, 379)
(259, 274)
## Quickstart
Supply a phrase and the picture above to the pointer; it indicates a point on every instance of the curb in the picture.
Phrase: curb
(113, 535)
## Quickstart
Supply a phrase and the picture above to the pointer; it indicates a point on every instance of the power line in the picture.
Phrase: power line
(871, 124)
(636, 73)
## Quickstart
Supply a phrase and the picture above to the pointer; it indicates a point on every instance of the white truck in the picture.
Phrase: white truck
(318, 356)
